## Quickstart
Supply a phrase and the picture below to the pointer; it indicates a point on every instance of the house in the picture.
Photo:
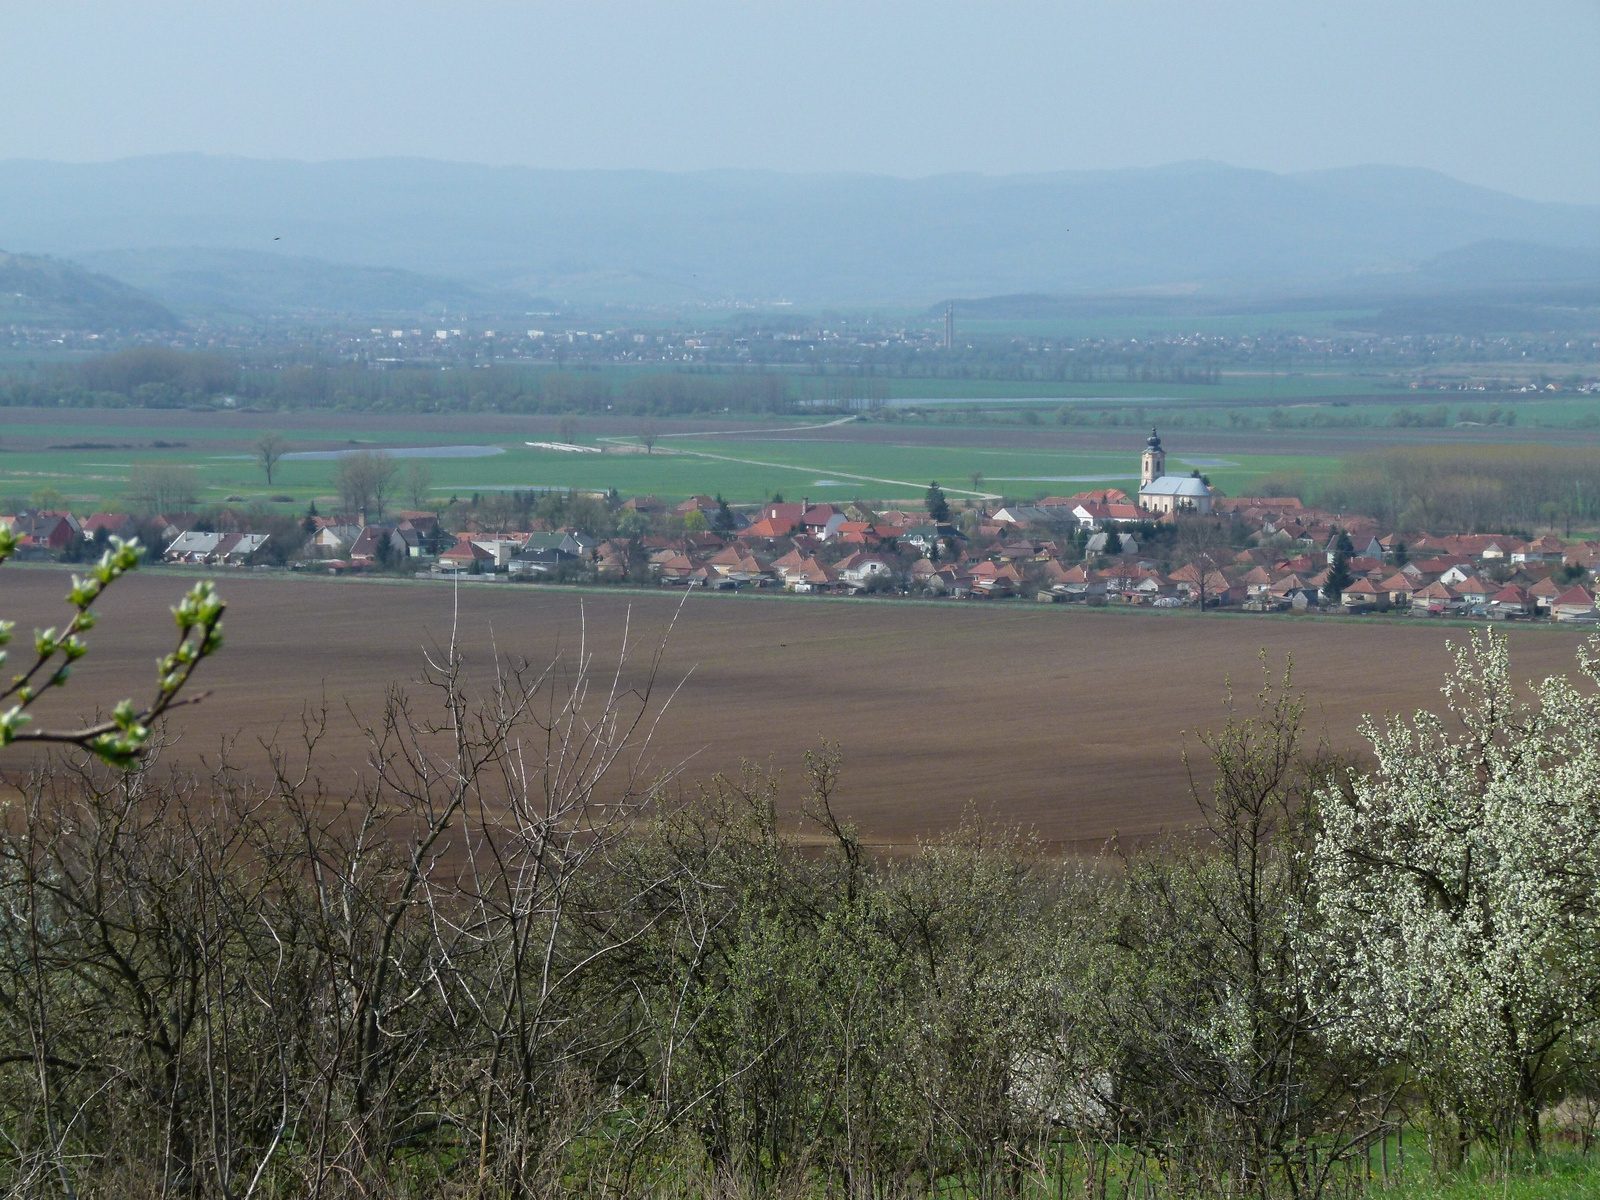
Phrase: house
(364, 550)
(1476, 590)
(120, 525)
(927, 537)
(466, 555)
(993, 579)
(569, 541)
(1099, 543)
(808, 576)
(1511, 601)
(1541, 550)
(1091, 514)
(44, 531)
(1400, 588)
(859, 570)
(1289, 589)
(1363, 593)
(700, 504)
(1438, 598)
(771, 527)
(671, 566)
(170, 525)
(215, 549)
(1543, 593)
(408, 541)
(822, 520)
(1257, 582)
(527, 563)
(334, 541)
(1574, 604)
(645, 505)
(737, 565)
(1066, 582)
(1191, 579)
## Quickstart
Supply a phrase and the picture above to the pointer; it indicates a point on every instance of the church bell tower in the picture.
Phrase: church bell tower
(1153, 463)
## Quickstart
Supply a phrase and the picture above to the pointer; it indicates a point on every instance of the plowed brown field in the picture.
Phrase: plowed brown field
(1068, 721)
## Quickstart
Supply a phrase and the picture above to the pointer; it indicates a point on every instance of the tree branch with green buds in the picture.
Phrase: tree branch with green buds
(122, 737)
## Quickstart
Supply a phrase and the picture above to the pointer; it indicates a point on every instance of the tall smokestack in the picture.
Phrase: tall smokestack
(950, 326)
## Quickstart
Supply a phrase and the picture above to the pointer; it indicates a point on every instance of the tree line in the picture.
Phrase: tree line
(158, 377)
(521, 955)
(1470, 489)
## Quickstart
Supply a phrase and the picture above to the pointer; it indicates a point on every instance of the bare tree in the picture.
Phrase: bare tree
(418, 479)
(163, 488)
(1202, 542)
(648, 433)
(567, 429)
(269, 449)
(365, 479)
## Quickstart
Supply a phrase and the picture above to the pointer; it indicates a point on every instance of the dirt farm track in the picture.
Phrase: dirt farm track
(1068, 721)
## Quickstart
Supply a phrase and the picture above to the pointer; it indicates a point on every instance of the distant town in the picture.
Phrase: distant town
(1176, 543)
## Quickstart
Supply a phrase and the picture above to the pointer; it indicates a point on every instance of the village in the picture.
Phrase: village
(1178, 543)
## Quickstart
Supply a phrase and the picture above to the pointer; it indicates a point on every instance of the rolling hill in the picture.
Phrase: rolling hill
(37, 291)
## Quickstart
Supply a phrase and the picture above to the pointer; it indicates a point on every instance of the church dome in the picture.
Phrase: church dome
(1155, 440)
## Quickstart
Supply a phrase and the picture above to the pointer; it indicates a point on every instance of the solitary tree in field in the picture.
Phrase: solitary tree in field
(649, 432)
(976, 479)
(269, 450)
(938, 507)
(568, 429)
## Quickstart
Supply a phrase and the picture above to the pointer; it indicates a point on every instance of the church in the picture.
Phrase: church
(1163, 493)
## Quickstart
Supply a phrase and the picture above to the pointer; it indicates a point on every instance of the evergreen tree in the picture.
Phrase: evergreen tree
(938, 506)
(1113, 542)
(1339, 576)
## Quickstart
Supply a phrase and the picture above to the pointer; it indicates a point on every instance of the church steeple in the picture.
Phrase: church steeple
(1153, 463)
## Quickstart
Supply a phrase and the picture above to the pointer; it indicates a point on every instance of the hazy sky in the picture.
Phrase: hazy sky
(1498, 93)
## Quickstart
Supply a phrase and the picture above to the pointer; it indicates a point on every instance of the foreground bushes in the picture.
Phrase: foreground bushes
(514, 961)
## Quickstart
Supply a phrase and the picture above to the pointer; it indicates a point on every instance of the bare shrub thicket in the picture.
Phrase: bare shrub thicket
(515, 958)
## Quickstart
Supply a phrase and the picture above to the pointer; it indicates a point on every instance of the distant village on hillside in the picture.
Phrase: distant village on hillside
(1178, 543)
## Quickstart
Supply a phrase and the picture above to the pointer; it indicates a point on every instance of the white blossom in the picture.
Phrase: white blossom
(1457, 887)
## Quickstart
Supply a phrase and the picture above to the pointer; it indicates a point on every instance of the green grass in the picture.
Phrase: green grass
(1560, 1176)
(744, 470)
(822, 470)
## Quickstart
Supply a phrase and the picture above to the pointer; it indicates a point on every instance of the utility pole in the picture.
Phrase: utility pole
(950, 326)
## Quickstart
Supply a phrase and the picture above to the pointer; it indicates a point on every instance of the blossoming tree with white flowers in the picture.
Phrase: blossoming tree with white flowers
(1459, 888)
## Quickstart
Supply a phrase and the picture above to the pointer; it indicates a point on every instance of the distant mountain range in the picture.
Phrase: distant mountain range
(62, 295)
(212, 234)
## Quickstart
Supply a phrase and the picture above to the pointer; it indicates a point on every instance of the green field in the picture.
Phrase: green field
(745, 469)
(1021, 450)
